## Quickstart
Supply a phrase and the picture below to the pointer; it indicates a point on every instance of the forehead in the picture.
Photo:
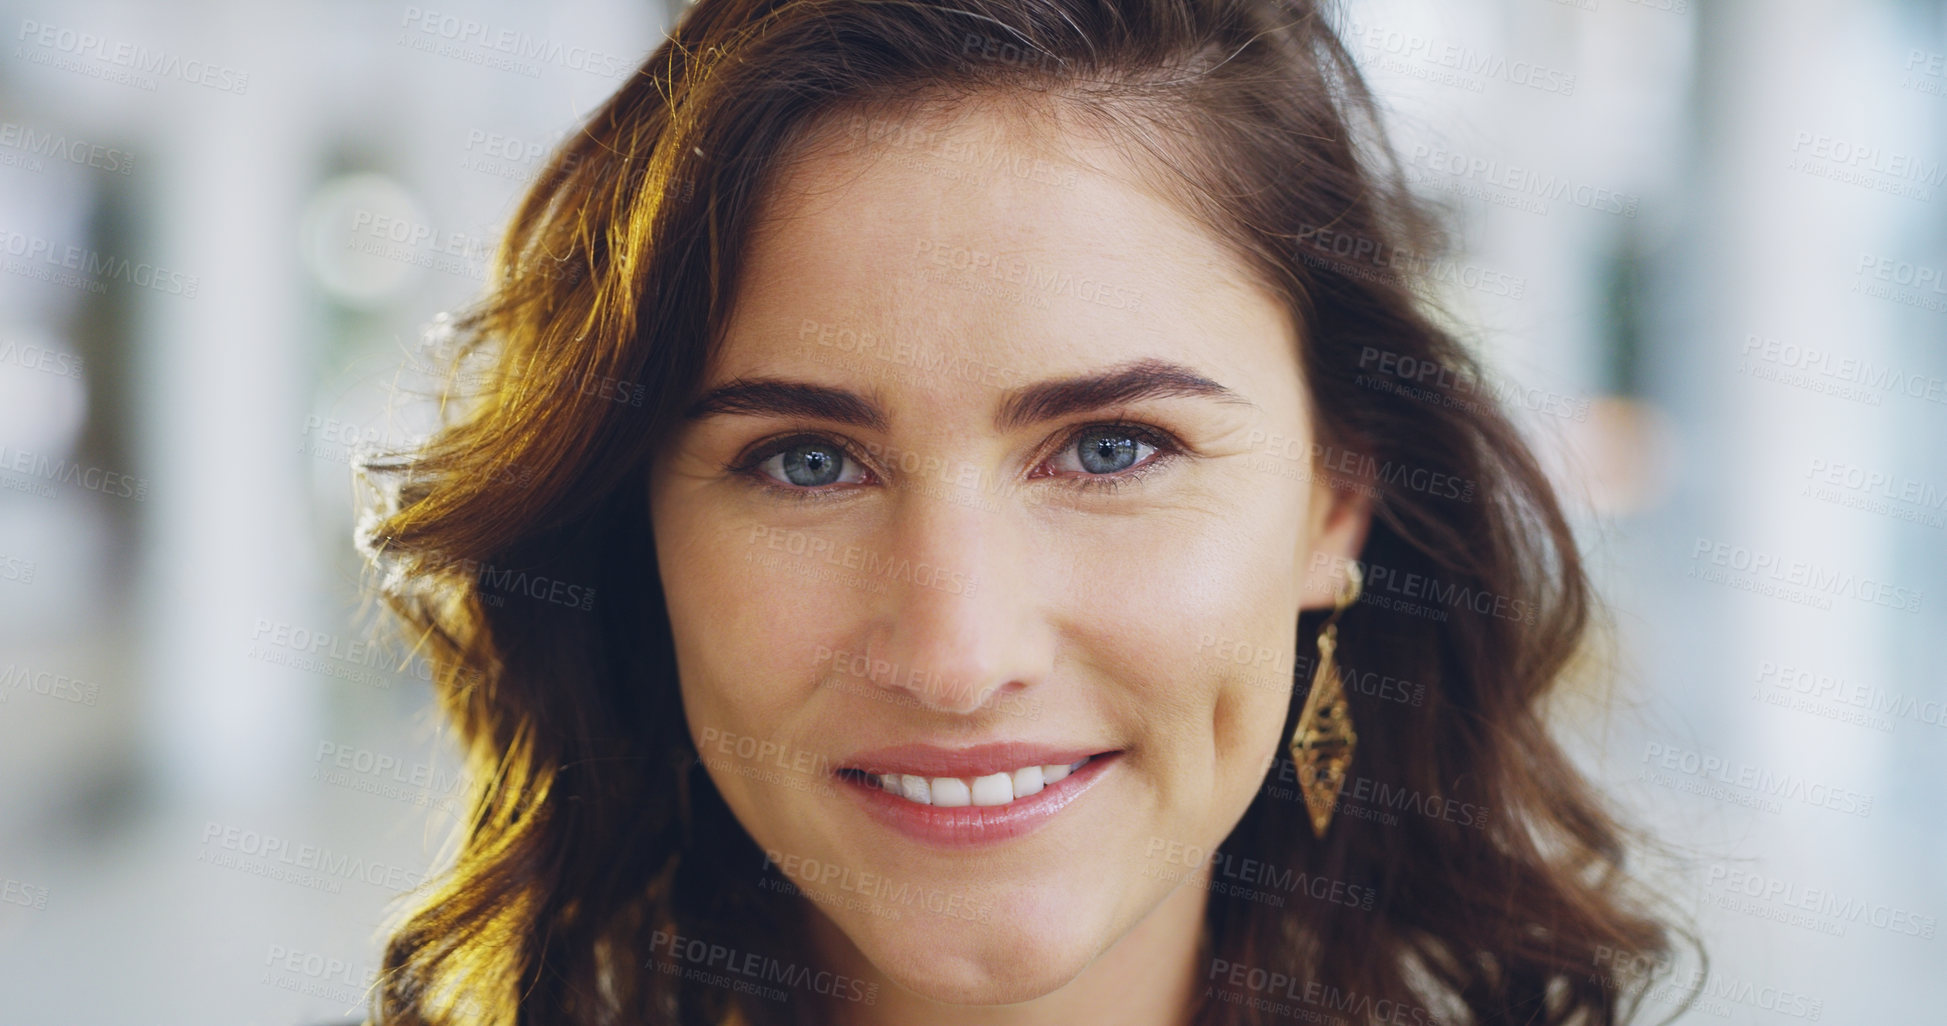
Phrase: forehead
(993, 233)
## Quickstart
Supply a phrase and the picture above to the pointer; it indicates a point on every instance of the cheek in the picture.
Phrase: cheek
(753, 641)
(751, 635)
(1247, 725)
(1208, 588)
(1197, 611)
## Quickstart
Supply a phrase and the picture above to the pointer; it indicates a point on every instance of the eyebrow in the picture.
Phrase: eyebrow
(1150, 378)
(769, 397)
(1133, 382)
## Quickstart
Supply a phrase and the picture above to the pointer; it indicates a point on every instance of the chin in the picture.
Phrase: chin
(956, 976)
(1023, 950)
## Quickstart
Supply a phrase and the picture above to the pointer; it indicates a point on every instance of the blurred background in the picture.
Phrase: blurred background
(1703, 246)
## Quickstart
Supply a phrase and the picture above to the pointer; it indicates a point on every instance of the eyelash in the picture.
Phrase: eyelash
(1166, 446)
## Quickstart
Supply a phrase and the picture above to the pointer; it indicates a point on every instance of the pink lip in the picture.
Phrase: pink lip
(978, 761)
(973, 826)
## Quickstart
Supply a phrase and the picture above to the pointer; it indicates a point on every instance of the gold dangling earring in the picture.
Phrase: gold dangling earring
(1321, 743)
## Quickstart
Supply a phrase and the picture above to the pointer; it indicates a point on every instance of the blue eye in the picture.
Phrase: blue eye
(1100, 457)
(1107, 449)
(808, 463)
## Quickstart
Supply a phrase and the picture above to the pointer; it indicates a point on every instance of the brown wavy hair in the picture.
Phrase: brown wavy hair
(514, 545)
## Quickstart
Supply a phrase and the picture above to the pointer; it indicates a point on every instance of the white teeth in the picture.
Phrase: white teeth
(951, 792)
(990, 790)
(993, 789)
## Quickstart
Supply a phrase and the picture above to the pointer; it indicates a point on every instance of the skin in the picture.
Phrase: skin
(1083, 622)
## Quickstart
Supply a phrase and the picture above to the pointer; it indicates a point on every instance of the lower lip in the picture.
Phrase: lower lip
(974, 826)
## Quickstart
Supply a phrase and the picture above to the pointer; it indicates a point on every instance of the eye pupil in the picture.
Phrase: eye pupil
(1106, 452)
(812, 465)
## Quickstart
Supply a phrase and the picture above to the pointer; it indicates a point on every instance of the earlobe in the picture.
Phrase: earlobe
(1339, 522)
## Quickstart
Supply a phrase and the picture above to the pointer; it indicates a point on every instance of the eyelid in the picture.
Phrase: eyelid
(1165, 444)
(765, 448)
(761, 452)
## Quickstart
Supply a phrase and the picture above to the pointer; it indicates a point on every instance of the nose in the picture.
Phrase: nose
(964, 619)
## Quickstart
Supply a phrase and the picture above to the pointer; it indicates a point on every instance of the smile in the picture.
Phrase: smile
(993, 789)
(959, 798)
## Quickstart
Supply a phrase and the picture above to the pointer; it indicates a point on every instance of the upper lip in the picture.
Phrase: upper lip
(974, 761)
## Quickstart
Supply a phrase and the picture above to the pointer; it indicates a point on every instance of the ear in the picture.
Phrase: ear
(1336, 523)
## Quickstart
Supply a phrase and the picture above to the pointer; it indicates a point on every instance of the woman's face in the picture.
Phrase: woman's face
(1002, 466)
